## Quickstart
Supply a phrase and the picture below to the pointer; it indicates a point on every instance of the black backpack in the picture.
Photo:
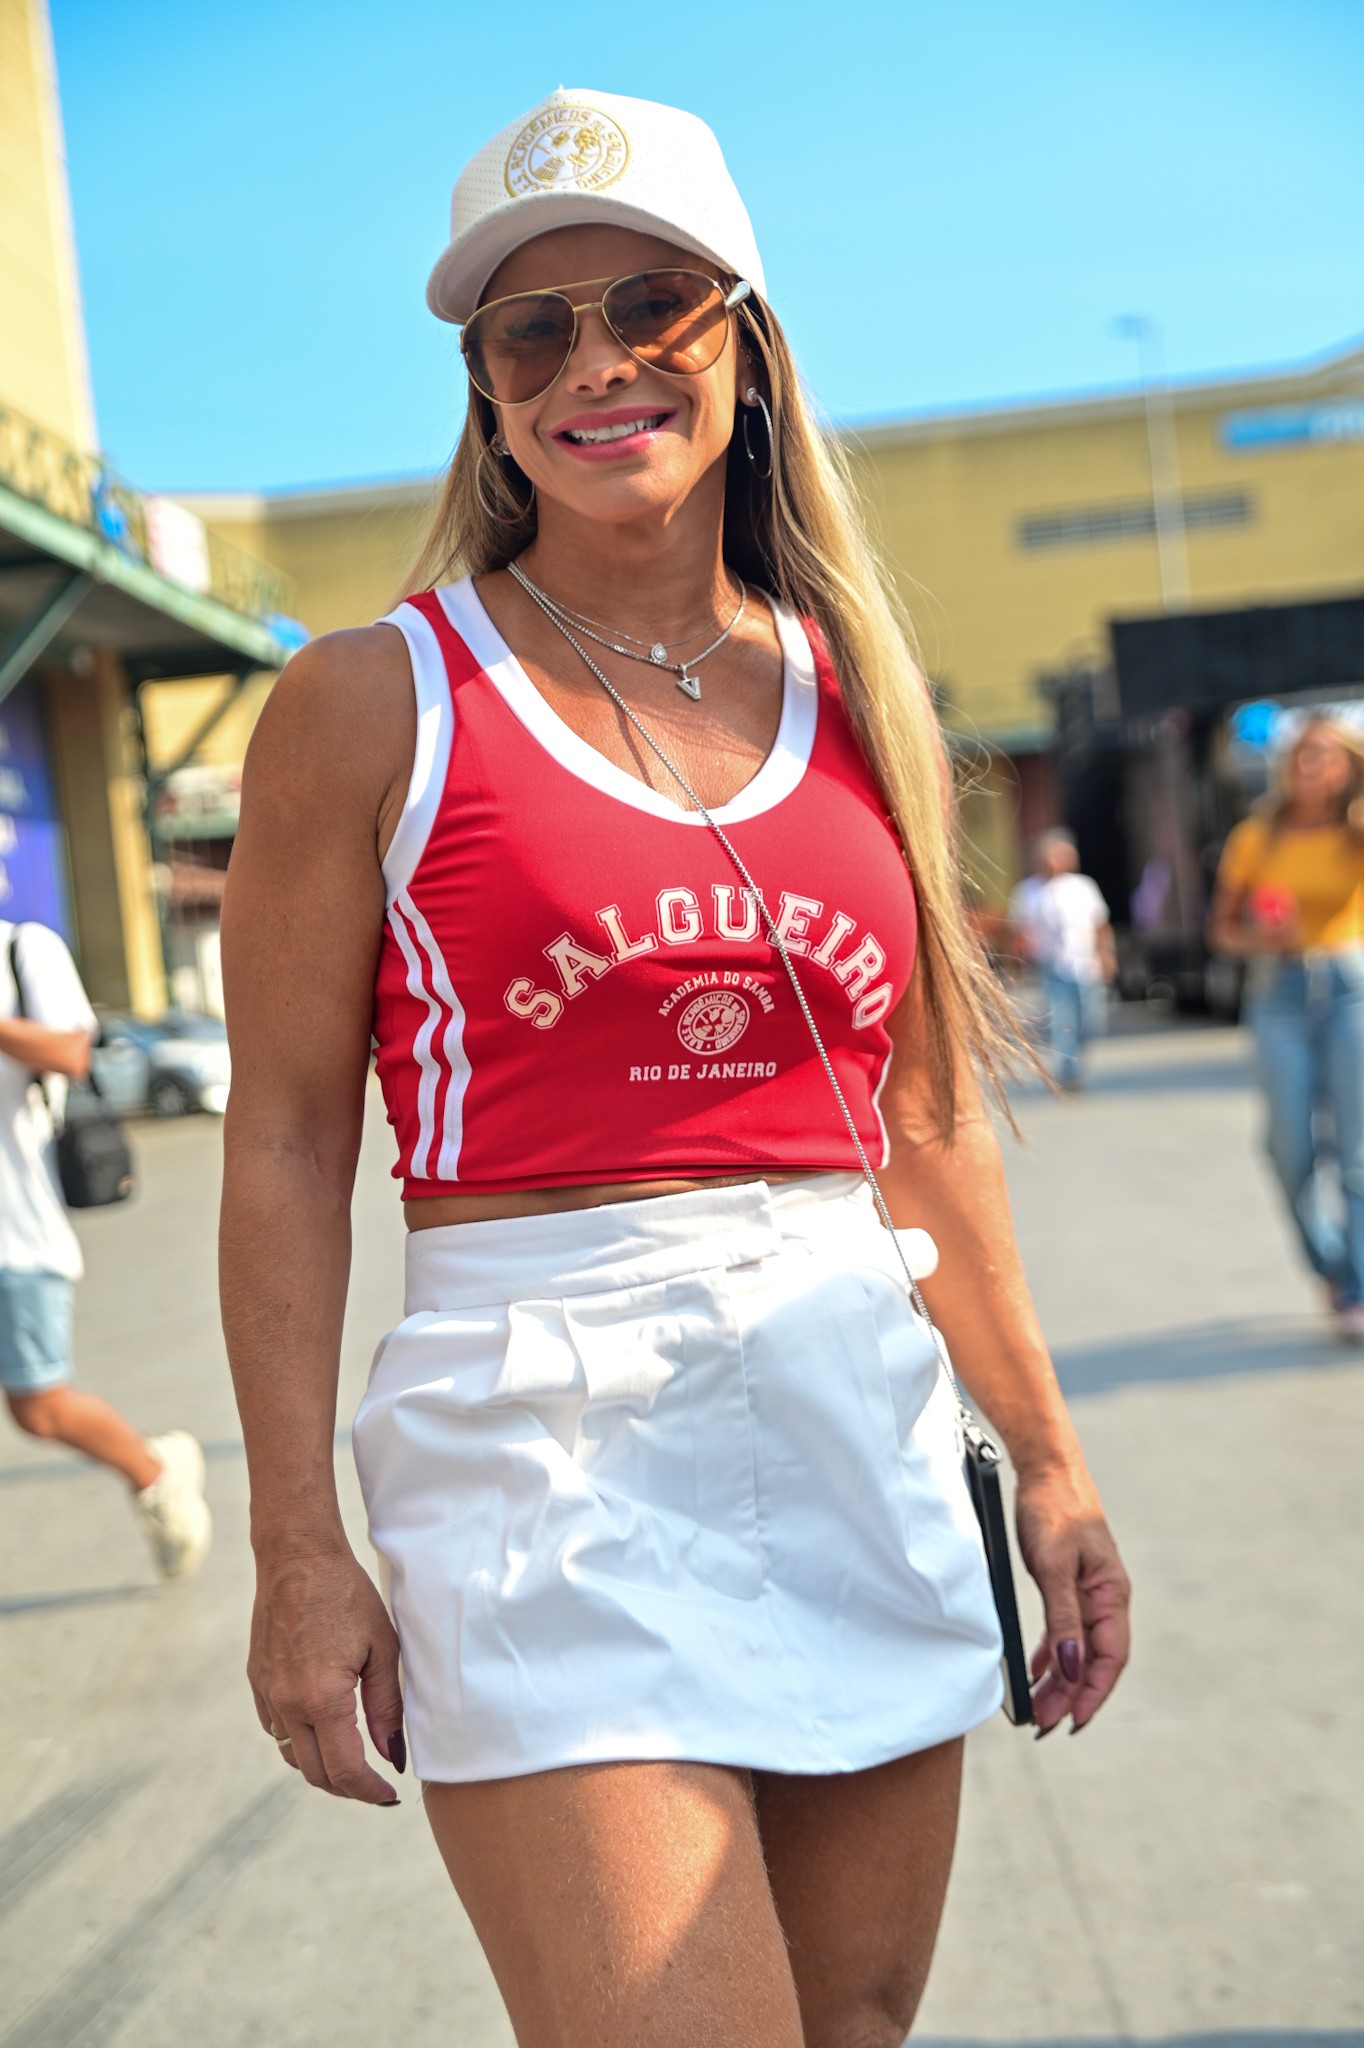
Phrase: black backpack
(94, 1162)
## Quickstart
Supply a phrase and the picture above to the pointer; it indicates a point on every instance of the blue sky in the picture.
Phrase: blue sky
(954, 200)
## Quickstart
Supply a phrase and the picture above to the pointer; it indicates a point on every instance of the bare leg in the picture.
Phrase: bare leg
(622, 1904)
(65, 1416)
(858, 1867)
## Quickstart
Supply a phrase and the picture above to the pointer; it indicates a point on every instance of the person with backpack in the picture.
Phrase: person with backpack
(47, 1028)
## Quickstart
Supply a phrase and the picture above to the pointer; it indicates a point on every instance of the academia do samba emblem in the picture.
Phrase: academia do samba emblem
(713, 1022)
(578, 147)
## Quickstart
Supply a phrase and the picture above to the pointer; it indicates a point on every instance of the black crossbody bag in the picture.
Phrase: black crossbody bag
(94, 1159)
(981, 1461)
(980, 1456)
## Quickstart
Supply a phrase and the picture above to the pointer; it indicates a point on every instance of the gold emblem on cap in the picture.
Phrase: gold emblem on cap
(577, 147)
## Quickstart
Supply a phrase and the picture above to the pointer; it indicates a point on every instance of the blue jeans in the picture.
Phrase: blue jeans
(1075, 1014)
(1308, 1025)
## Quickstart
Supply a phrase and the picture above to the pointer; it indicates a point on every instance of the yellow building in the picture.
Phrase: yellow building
(1016, 533)
(346, 551)
(106, 597)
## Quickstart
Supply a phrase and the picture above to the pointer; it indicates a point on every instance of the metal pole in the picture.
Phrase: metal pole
(30, 640)
(153, 784)
(156, 782)
(1163, 457)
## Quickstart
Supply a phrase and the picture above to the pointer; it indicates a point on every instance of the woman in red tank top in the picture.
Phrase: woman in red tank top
(628, 840)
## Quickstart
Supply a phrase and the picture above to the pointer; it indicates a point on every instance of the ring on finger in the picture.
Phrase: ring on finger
(282, 1740)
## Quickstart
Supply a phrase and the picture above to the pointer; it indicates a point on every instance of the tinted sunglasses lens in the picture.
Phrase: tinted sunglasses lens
(515, 348)
(674, 320)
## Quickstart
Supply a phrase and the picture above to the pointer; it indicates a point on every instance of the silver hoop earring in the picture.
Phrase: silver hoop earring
(493, 512)
(753, 397)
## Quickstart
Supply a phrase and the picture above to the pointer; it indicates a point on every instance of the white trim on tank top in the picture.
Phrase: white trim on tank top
(435, 735)
(775, 779)
(428, 977)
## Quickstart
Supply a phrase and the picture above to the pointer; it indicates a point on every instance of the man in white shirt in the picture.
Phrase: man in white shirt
(50, 1032)
(1062, 926)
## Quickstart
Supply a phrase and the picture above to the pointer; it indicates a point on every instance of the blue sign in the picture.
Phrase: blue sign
(1281, 426)
(32, 844)
(1264, 727)
(290, 633)
(1256, 725)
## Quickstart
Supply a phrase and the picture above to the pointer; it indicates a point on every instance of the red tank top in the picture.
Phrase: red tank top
(573, 986)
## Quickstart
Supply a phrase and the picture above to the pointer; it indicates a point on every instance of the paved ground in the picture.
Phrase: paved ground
(1189, 1871)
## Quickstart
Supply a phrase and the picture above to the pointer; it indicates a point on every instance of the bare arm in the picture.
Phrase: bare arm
(1106, 946)
(43, 1050)
(980, 1300)
(302, 921)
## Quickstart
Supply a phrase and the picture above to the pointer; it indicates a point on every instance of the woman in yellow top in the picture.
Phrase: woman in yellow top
(1290, 895)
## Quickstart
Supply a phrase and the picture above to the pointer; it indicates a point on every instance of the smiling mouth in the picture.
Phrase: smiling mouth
(619, 430)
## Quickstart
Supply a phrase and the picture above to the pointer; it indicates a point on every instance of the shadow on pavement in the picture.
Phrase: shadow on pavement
(224, 1450)
(56, 1830)
(1202, 1077)
(90, 1596)
(99, 1993)
(1203, 1351)
(1222, 1076)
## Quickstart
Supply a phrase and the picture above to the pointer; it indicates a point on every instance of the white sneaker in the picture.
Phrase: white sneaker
(172, 1509)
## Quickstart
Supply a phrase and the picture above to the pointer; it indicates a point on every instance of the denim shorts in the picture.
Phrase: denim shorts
(35, 1331)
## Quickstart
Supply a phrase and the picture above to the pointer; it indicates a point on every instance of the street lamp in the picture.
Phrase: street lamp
(1163, 456)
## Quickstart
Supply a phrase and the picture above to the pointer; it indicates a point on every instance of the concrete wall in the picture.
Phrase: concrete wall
(43, 367)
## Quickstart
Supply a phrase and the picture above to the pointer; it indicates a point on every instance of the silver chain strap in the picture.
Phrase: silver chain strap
(774, 935)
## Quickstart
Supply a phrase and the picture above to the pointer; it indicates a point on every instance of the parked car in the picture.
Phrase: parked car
(178, 1064)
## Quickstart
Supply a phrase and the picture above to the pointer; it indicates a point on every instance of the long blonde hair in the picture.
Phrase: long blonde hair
(1279, 802)
(799, 535)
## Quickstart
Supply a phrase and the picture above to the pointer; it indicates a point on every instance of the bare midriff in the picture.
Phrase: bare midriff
(434, 1212)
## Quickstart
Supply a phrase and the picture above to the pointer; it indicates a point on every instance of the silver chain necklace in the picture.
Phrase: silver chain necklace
(585, 623)
(657, 656)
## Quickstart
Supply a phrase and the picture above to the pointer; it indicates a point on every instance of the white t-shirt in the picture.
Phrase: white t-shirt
(1022, 913)
(35, 1234)
(1068, 913)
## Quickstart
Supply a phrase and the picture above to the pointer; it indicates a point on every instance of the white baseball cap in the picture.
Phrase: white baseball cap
(581, 157)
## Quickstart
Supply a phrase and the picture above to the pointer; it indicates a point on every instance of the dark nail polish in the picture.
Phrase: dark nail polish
(385, 1803)
(1068, 1657)
(1045, 1731)
(397, 1751)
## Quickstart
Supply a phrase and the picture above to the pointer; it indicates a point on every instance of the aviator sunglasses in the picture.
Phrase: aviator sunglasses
(669, 320)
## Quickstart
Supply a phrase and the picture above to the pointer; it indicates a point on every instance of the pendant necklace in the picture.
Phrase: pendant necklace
(657, 655)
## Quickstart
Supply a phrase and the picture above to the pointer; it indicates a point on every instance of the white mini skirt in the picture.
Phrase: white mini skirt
(675, 1478)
